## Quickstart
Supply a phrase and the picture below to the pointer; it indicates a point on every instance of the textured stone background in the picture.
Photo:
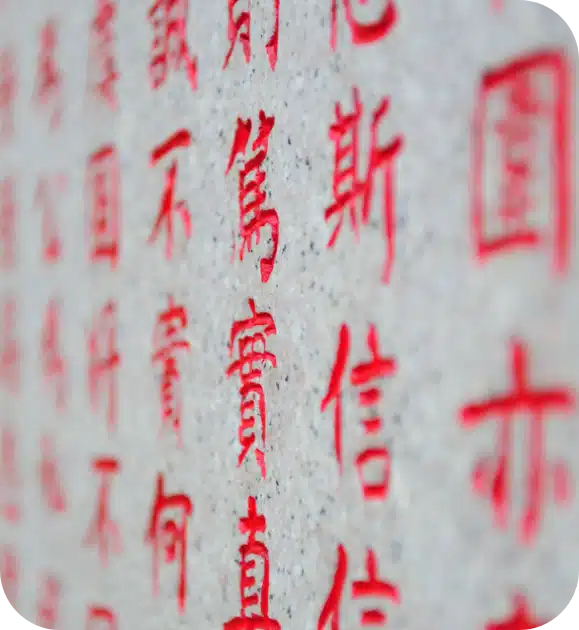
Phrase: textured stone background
(446, 319)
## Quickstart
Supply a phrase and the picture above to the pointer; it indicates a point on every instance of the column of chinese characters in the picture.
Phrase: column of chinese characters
(103, 219)
(364, 377)
(171, 513)
(531, 94)
(248, 342)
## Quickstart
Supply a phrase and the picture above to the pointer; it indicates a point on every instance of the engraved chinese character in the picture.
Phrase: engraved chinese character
(363, 32)
(49, 603)
(48, 191)
(102, 68)
(168, 340)
(238, 30)
(253, 217)
(7, 223)
(9, 347)
(167, 534)
(249, 337)
(9, 476)
(103, 531)
(254, 554)
(52, 490)
(522, 617)
(371, 587)
(518, 105)
(170, 50)
(179, 140)
(353, 195)
(8, 87)
(104, 360)
(48, 76)
(491, 474)
(362, 376)
(9, 573)
(101, 618)
(53, 362)
(103, 192)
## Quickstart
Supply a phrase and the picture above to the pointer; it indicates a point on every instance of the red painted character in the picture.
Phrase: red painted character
(48, 76)
(254, 614)
(103, 531)
(253, 217)
(353, 195)
(252, 351)
(521, 619)
(9, 348)
(7, 223)
(50, 478)
(167, 341)
(533, 96)
(49, 603)
(361, 376)
(364, 32)
(104, 361)
(491, 474)
(372, 587)
(238, 29)
(8, 88)
(104, 199)
(9, 476)
(101, 618)
(170, 50)
(102, 68)
(53, 362)
(9, 573)
(48, 190)
(168, 535)
(179, 140)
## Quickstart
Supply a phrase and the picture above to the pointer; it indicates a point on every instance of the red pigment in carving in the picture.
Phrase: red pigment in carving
(526, 107)
(49, 89)
(252, 350)
(103, 200)
(49, 603)
(104, 360)
(372, 587)
(101, 618)
(48, 191)
(363, 32)
(102, 68)
(521, 619)
(169, 536)
(53, 363)
(254, 613)
(179, 140)
(361, 376)
(50, 478)
(170, 49)
(9, 573)
(238, 29)
(167, 341)
(9, 348)
(9, 477)
(103, 531)
(491, 474)
(252, 216)
(348, 190)
(7, 223)
(8, 88)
